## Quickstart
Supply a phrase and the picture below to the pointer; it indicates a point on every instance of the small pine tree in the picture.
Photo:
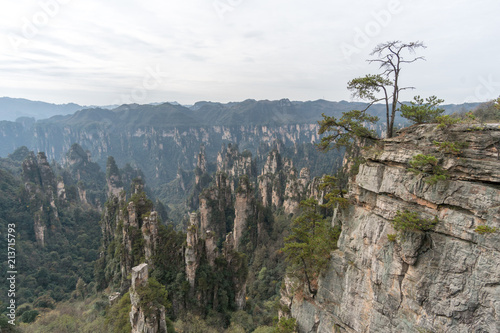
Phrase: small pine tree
(411, 221)
(420, 112)
(308, 248)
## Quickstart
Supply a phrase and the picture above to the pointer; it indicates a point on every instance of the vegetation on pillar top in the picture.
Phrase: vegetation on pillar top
(152, 296)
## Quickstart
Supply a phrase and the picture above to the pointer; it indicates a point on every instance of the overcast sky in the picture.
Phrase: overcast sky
(95, 52)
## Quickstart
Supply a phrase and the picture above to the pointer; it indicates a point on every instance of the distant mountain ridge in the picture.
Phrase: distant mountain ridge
(13, 108)
(249, 111)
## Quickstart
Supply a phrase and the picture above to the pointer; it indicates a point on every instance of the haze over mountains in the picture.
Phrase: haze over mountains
(160, 139)
(14, 108)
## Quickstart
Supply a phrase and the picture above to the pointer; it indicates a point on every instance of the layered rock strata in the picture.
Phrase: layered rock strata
(444, 280)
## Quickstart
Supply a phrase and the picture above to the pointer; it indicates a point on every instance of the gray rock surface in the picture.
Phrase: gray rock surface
(445, 280)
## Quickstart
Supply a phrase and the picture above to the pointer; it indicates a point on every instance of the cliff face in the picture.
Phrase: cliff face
(169, 148)
(444, 280)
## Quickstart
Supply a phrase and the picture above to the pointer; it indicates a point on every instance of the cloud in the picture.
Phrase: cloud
(92, 51)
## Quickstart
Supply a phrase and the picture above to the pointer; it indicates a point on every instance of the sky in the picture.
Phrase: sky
(95, 52)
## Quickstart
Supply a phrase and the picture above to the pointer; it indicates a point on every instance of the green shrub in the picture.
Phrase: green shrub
(29, 316)
(484, 229)
(428, 164)
(411, 221)
(433, 179)
(420, 112)
(391, 237)
(44, 301)
(447, 147)
(469, 117)
(356, 163)
(264, 329)
(152, 295)
(446, 120)
(421, 161)
(5, 326)
(117, 318)
(286, 325)
(307, 249)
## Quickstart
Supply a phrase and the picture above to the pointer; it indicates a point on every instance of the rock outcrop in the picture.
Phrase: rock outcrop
(201, 167)
(191, 255)
(40, 184)
(243, 208)
(113, 178)
(295, 189)
(150, 235)
(234, 164)
(88, 176)
(279, 184)
(270, 182)
(443, 280)
(129, 233)
(214, 202)
(150, 320)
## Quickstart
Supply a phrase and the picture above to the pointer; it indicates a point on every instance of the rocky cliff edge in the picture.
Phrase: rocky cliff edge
(443, 280)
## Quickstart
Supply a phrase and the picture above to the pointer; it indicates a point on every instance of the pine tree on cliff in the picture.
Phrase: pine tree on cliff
(307, 249)
(374, 88)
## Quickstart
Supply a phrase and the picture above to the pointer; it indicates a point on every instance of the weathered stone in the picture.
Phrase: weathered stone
(445, 280)
(279, 185)
(191, 255)
(213, 203)
(41, 187)
(150, 235)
